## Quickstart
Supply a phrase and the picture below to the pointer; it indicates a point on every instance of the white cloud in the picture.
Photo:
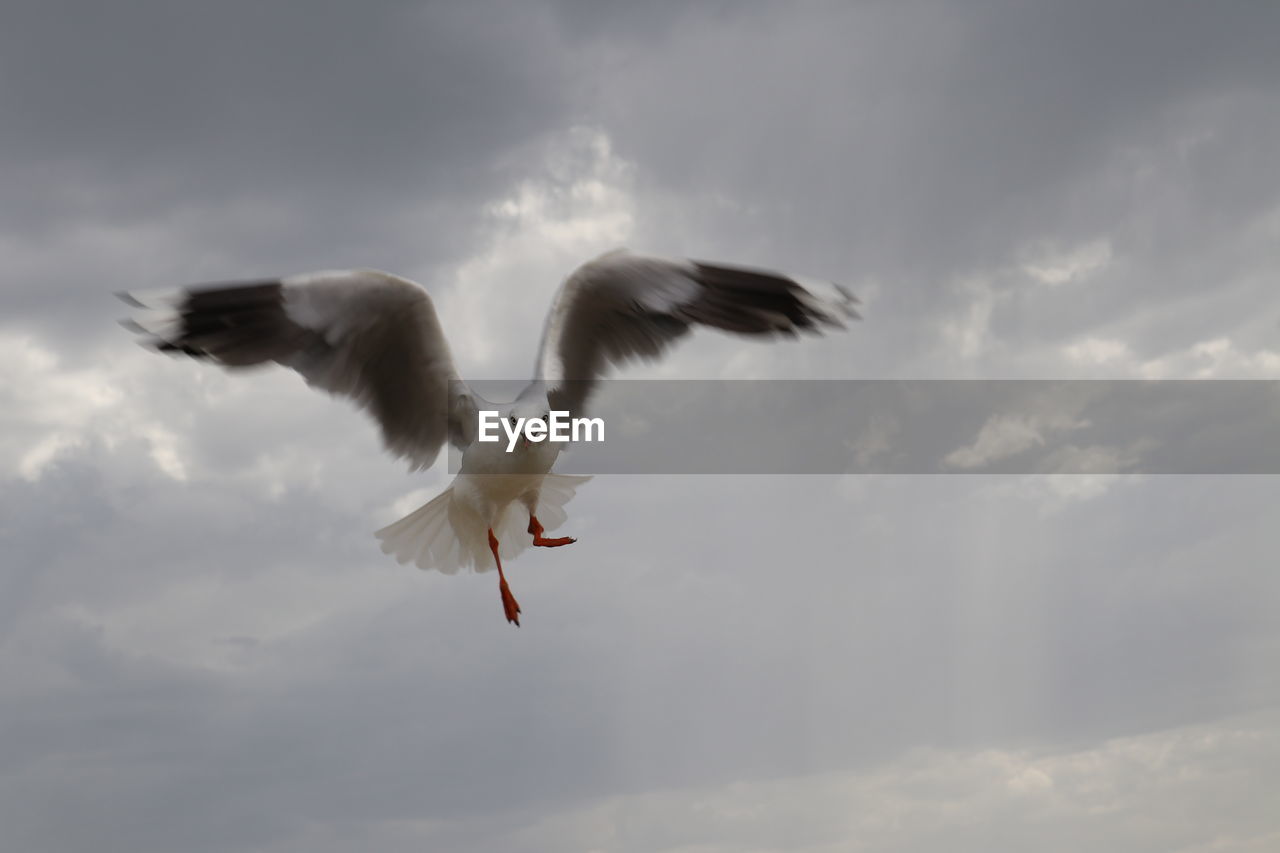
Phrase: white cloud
(1003, 436)
(1055, 267)
(46, 408)
(1096, 351)
(968, 334)
(578, 204)
(1197, 789)
(1094, 459)
(1216, 358)
(33, 461)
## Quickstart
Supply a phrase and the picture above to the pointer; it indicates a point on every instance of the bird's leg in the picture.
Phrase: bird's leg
(509, 605)
(535, 527)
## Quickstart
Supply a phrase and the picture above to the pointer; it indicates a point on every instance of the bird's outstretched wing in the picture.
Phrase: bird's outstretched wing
(623, 306)
(365, 335)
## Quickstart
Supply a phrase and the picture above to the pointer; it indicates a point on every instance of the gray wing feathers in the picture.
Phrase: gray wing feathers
(623, 306)
(368, 336)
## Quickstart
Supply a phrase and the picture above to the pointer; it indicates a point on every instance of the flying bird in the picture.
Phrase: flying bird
(375, 338)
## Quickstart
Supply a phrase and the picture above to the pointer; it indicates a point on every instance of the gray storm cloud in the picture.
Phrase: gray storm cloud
(202, 648)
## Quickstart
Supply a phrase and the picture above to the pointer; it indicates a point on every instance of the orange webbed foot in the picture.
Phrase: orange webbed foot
(535, 528)
(510, 607)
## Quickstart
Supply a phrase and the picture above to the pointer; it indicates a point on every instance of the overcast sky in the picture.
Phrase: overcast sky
(202, 648)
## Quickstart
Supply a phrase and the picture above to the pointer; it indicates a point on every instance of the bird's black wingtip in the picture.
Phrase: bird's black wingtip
(846, 293)
(848, 299)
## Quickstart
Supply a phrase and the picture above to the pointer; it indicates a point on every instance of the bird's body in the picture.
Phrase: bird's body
(375, 337)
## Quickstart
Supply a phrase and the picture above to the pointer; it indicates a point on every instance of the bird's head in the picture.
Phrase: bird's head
(527, 409)
(532, 403)
(522, 411)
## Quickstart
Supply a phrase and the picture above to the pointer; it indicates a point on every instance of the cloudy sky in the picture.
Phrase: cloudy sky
(201, 647)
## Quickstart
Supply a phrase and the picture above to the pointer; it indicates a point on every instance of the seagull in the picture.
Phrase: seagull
(374, 338)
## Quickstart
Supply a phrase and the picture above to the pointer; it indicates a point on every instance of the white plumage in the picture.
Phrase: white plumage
(375, 338)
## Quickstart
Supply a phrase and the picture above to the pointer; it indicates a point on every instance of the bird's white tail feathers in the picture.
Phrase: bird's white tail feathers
(442, 535)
